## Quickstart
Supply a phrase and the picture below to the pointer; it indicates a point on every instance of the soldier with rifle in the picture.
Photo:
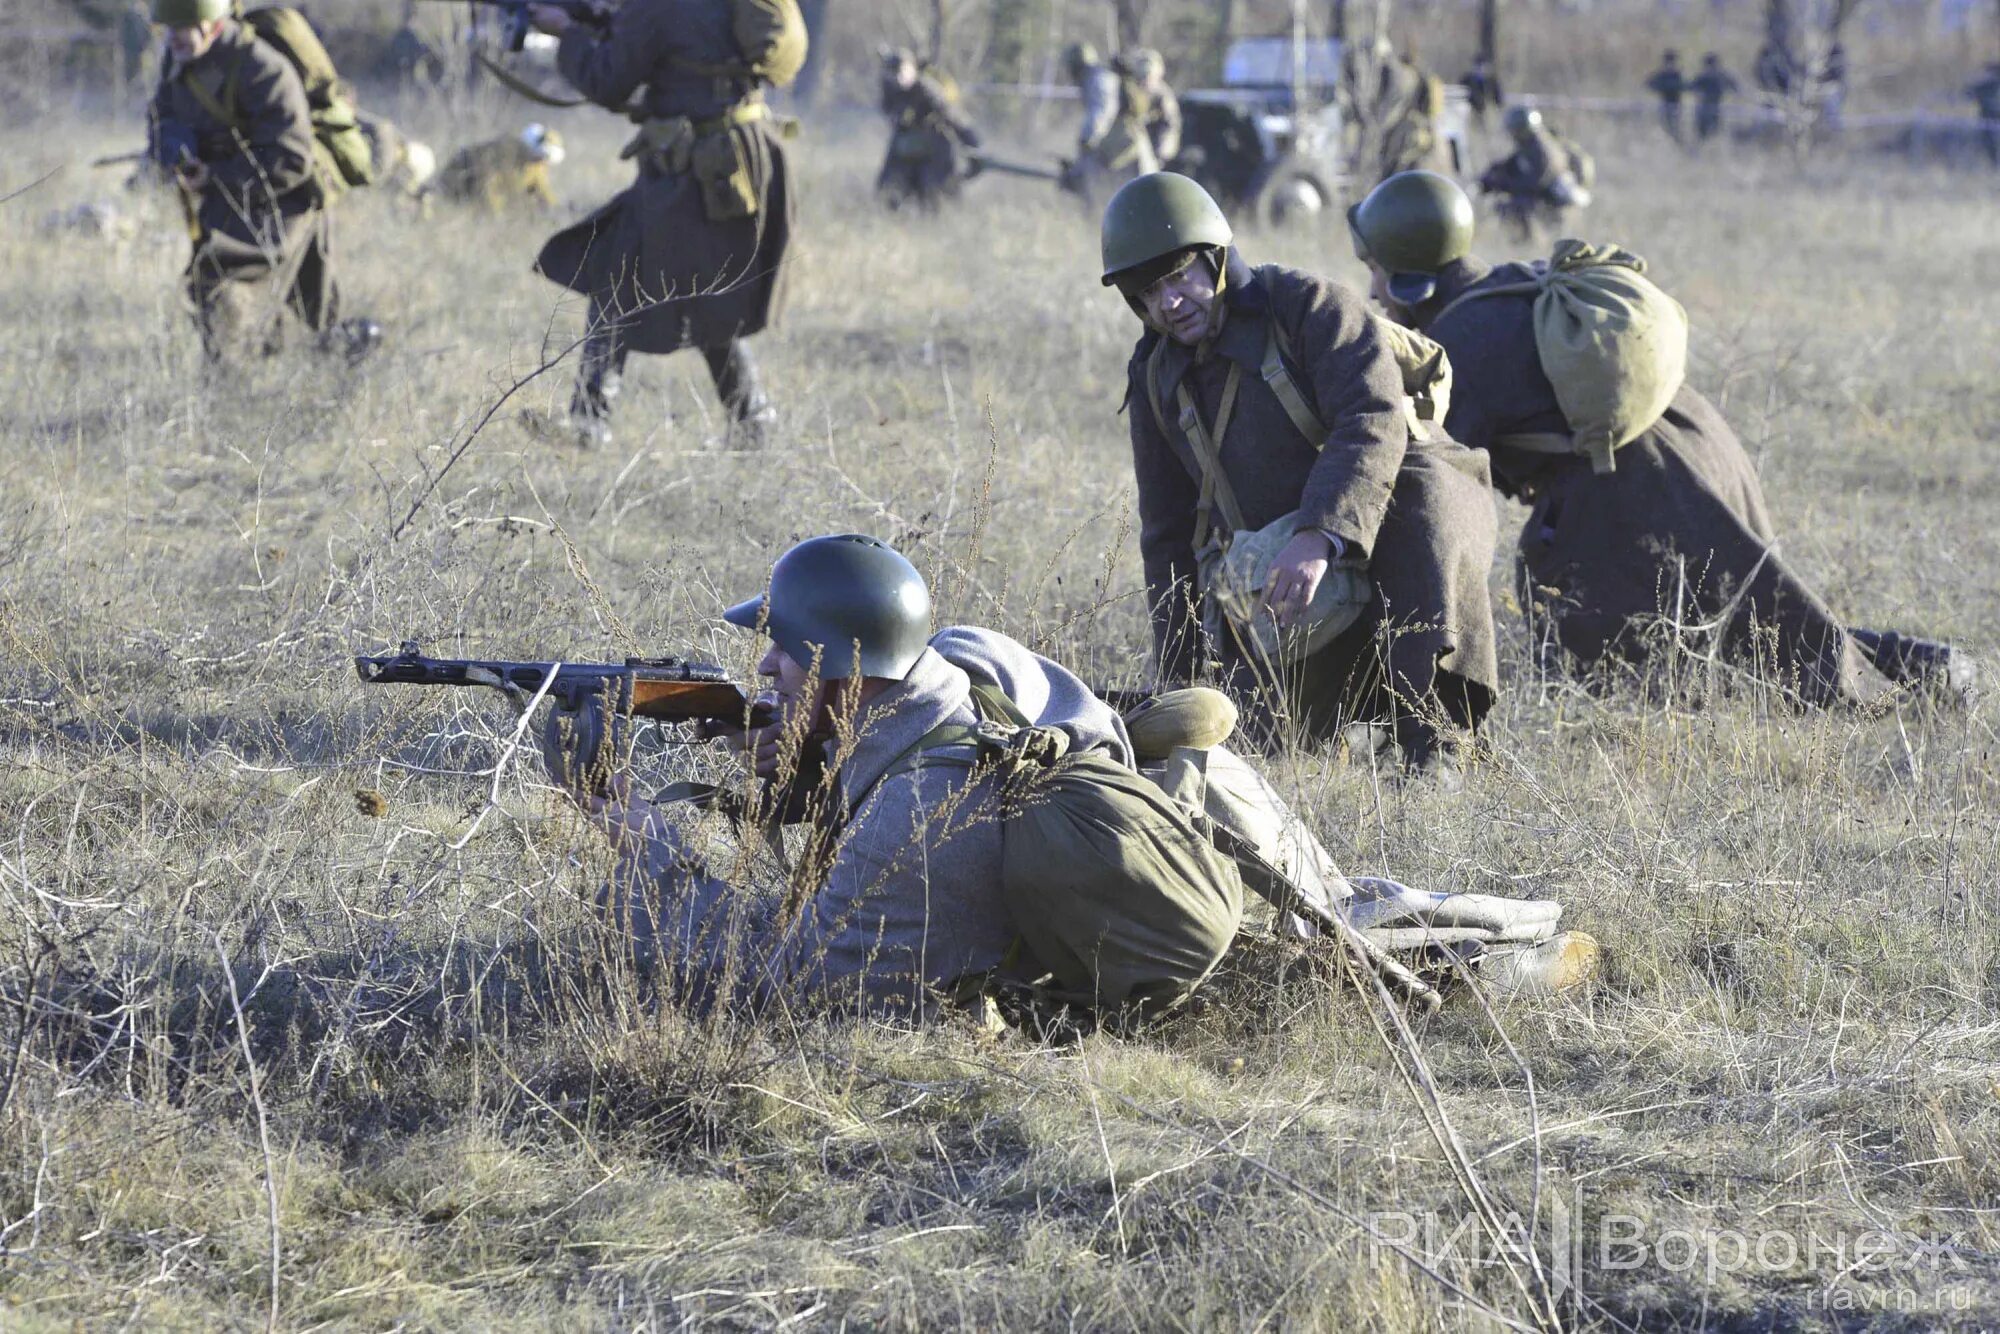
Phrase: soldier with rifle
(232, 126)
(1112, 143)
(911, 758)
(1306, 530)
(694, 252)
(1679, 507)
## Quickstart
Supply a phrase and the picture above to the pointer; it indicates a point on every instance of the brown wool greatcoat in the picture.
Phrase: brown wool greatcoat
(1603, 555)
(262, 211)
(1419, 511)
(652, 254)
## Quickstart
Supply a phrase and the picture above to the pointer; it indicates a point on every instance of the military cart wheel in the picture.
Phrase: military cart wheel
(1295, 197)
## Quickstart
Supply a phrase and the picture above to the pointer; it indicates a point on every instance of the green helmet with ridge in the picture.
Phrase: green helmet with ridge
(1156, 215)
(187, 13)
(1522, 121)
(851, 603)
(1412, 225)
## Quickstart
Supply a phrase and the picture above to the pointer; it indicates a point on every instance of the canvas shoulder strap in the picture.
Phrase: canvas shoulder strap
(1216, 493)
(220, 103)
(1278, 378)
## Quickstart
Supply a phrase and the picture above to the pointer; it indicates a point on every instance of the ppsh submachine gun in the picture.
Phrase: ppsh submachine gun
(591, 13)
(662, 689)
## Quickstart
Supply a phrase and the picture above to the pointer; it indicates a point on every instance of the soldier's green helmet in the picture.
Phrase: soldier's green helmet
(1150, 221)
(1412, 225)
(1521, 121)
(187, 13)
(852, 603)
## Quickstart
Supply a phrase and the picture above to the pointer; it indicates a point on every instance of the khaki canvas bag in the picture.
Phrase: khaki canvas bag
(1613, 345)
(1113, 888)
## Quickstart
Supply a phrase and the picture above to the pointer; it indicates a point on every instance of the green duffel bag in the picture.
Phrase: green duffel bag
(1114, 889)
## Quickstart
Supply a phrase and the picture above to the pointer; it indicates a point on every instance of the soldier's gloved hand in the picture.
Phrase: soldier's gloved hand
(582, 749)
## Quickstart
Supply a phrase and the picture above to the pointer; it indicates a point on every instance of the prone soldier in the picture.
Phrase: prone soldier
(1602, 545)
(231, 124)
(1271, 424)
(900, 748)
(499, 173)
(694, 252)
(928, 134)
(1545, 179)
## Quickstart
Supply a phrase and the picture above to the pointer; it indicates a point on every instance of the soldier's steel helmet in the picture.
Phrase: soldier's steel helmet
(1521, 120)
(187, 13)
(1412, 225)
(851, 601)
(1155, 216)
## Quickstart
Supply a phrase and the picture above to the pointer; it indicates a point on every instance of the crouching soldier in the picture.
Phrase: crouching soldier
(231, 124)
(498, 174)
(924, 885)
(1302, 528)
(1546, 179)
(1608, 540)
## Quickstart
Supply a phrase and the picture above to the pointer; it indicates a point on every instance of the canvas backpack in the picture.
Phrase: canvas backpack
(1113, 887)
(339, 144)
(1613, 345)
(770, 35)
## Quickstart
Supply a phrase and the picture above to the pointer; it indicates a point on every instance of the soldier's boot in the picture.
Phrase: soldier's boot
(752, 416)
(1924, 664)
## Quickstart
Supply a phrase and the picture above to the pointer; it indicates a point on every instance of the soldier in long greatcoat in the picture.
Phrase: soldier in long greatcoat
(1677, 535)
(693, 253)
(1414, 512)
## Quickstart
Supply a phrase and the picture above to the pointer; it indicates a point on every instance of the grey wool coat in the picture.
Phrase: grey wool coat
(911, 900)
(652, 257)
(1418, 510)
(1601, 556)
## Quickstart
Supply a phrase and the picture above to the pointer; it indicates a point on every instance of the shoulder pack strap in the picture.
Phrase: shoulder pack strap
(1216, 493)
(1279, 380)
(222, 106)
(990, 703)
(1507, 289)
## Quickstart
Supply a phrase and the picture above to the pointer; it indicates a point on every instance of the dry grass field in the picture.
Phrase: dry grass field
(250, 1034)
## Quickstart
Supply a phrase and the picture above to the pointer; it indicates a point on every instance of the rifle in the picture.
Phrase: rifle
(979, 163)
(665, 689)
(593, 13)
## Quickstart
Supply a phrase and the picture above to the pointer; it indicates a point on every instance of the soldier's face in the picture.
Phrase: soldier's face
(1378, 288)
(1183, 304)
(906, 75)
(192, 43)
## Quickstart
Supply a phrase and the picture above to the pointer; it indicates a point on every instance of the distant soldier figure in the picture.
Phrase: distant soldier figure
(231, 125)
(693, 253)
(1269, 414)
(501, 173)
(1772, 70)
(1985, 95)
(928, 134)
(1545, 179)
(1668, 84)
(1482, 88)
(1112, 145)
(1710, 87)
(1159, 106)
(1680, 512)
(1833, 86)
(1408, 107)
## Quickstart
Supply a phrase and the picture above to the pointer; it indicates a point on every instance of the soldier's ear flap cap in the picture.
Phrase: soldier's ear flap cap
(1412, 289)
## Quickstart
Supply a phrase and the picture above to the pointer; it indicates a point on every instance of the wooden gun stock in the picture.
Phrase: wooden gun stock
(666, 689)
